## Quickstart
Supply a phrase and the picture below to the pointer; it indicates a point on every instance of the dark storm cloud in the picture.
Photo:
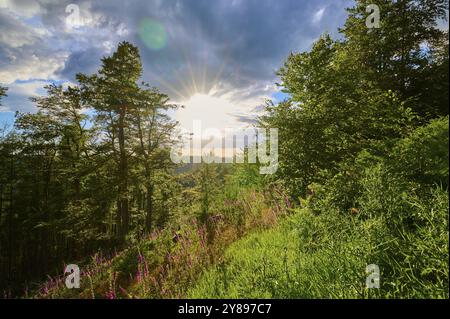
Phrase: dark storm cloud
(235, 45)
(87, 61)
(249, 119)
(241, 42)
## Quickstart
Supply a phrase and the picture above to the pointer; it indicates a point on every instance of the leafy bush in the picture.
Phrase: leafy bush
(168, 262)
(423, 156)
(306, 256)
(389, 210)
(325, 256)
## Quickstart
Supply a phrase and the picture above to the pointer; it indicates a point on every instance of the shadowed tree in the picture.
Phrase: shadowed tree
(114, 93)
(407, 48)
(153, 128)
(2, 93)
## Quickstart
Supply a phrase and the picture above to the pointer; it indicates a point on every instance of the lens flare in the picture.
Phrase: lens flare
(153, 34)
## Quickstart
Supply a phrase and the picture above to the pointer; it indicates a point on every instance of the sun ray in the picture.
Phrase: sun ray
(191, 72)
(194, 88)
(187, 87)
(222, 66)
(168, 85)
(205, 70)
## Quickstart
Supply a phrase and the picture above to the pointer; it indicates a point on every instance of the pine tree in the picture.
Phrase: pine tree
(153, 128)
(398, 54)
(113, 93)
(2, 93)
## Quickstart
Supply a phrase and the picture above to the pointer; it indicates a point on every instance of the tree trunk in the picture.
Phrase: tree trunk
(122, 209)
(1, 202)
(148, 216)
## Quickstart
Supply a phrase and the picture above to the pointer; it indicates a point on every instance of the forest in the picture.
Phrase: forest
(362, 179)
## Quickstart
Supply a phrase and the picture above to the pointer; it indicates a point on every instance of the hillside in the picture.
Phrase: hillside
(317, 251)
(321, 158)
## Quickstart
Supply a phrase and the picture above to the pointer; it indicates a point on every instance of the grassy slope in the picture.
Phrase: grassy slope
(167, 263)
(296, 259)
(399, 222)
(326, 255)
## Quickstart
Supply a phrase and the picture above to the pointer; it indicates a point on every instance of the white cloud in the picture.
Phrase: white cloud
(19, 94)
(33, 67)
(122, 30)
(22, 8)
(317, 17)
(223, 107)
(221, 43)
(18, 33)
(24, 53)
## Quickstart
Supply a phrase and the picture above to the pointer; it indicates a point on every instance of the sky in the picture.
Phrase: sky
(218, 58)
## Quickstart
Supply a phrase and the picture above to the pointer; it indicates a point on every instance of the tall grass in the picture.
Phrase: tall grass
(390, 210)
(326, 255)
(167, 263)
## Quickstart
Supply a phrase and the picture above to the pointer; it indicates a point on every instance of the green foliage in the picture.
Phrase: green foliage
(75, 183)
(325, 256)
(393, 55)
(360, 92)
(423, 157)
(2, 92)
(363, 147)
(167, 263)
(333, 114)
(304, 257)
(380, 210)
(416, 262)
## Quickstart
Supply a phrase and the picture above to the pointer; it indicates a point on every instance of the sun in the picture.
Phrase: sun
(212, 111)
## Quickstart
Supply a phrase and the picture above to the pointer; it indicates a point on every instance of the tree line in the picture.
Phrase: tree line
(361, 92)
(73, 182)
